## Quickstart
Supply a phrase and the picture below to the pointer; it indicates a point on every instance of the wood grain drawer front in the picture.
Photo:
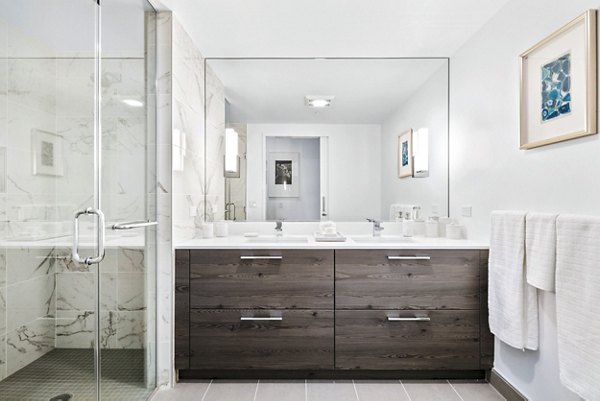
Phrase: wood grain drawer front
(368, 340)
(392, 279)
(262, 279)
(302, 339)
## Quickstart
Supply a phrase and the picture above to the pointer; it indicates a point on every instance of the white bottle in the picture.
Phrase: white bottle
(408, 226)
(431, 228)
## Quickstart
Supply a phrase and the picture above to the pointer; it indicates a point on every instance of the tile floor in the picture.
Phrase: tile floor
(324, 390)
(71, 371)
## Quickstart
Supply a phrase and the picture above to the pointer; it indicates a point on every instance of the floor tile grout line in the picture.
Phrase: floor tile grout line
(451, 386)
(206, 391)
(305, 390)
(405, 390)
(256, 390)
(355, 390)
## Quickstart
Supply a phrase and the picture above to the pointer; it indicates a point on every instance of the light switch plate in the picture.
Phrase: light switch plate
(466, 211)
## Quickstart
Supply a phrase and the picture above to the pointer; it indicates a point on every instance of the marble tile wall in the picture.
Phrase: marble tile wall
(188, 118)
(164, 199)
(215, 147)
(122, 300)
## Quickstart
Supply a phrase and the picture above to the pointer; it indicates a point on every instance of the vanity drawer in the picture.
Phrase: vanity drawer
(407, 279)
(294, 339)
(262, 279)
(381, 340)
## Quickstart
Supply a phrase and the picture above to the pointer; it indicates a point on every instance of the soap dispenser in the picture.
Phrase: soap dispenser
(419, 224)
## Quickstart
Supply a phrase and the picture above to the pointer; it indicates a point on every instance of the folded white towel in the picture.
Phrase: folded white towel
(512, 302)
(578, 303)
(540, 250)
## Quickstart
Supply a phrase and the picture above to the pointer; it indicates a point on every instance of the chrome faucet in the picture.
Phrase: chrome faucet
(376, 227)
(279, 228)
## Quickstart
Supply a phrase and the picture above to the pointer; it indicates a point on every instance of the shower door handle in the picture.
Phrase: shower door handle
(133, 224)
(100, 237)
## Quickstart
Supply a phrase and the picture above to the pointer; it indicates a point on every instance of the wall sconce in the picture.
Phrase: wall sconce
(179, 150)
(421, 153)
(232, 158)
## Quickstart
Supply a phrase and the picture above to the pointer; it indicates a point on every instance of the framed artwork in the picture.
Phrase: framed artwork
(405, 160)
(558, 85)
(283, 175)
(47, 156)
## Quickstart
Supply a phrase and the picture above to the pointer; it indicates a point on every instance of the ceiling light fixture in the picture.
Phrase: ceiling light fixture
(318, 101)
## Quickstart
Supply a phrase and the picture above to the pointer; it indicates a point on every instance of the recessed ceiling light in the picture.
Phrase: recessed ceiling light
(133, 102)
(318, 101)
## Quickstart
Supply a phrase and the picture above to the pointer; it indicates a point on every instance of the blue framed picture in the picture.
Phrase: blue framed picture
(405, 159)
(558, 85)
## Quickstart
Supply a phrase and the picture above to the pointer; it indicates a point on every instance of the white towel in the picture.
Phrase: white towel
(512, 302)
(578, 303)
(540, 250)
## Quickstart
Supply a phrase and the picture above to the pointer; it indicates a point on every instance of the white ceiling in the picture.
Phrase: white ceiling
(366, 91)
(322, 28)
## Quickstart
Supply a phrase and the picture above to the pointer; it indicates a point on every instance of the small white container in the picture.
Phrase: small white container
(208, 230)
(419, 228)
(221, 229)
(431, 229)
(408, 228)
(444, 221)
(454, 231)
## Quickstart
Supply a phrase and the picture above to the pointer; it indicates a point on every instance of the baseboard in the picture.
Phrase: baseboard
(193, 374)
(505, 388)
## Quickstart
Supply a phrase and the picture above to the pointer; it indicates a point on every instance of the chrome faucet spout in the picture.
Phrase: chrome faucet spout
(376, 227)
(279, 228)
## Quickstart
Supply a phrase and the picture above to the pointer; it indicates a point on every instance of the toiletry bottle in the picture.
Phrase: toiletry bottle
(408, 226)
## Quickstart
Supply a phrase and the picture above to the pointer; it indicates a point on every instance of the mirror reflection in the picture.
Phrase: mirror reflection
(332, 139)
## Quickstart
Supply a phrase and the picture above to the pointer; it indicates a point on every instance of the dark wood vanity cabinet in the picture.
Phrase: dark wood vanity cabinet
(257, 309)
(331, 311)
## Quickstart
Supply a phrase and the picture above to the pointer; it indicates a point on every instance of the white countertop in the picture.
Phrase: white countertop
(241, 242)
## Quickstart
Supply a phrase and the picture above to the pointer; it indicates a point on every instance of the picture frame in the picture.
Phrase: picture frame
(47, 154)
(558, 85)
(283, 175)
(405, 159)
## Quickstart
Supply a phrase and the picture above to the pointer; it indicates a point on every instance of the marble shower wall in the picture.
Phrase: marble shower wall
(27, 307)
(122, 280)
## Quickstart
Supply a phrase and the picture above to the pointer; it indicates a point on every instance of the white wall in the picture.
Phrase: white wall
(488, 171)
(427, 107)
(354, 160)
(306, 206)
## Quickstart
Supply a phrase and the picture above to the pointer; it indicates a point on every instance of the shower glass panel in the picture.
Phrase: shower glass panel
(128, 274)
(77, 130)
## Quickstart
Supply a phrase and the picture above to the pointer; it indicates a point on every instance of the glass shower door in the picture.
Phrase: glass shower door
(77, 136)
(48, 125)
(128, 183)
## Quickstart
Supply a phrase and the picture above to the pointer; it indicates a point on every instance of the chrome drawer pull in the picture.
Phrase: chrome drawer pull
(243, 318)
(261, 257)
(409, 319)
(409, 257)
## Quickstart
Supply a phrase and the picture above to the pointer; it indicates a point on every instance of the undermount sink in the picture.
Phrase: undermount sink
(380, 240)
(275, 239)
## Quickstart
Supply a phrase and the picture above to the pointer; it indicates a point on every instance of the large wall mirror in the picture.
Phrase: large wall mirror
(326, 139)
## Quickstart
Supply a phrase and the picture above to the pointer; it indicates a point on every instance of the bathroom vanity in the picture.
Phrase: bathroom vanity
(352, 309)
